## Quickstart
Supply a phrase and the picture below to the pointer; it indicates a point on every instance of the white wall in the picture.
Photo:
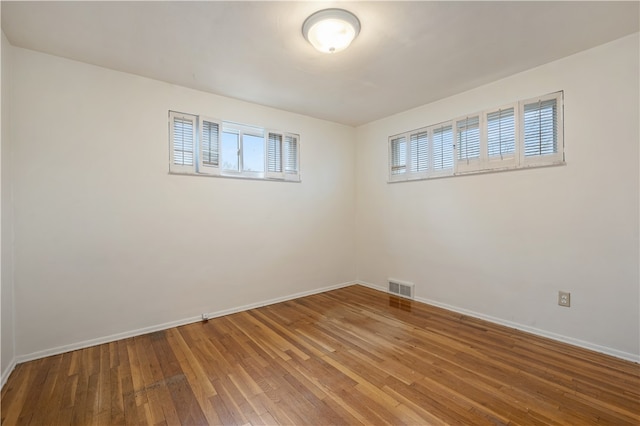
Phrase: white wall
(501, 245)
(7, 348)
(108, 242)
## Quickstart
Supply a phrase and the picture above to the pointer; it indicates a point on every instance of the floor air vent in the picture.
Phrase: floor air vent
(401, 288)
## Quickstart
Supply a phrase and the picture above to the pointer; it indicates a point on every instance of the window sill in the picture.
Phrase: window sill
(240, 177)
(480, 172)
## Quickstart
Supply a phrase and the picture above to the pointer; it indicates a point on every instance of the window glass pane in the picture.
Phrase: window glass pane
(252, 153)
(398, 156)
(501, 133)
(540, 128)
(443, 148)
(230, 151)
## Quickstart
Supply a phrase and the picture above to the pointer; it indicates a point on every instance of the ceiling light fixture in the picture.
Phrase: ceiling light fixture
(331, 30)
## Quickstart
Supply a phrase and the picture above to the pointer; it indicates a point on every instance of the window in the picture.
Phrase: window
(522, 134)
(205, 146)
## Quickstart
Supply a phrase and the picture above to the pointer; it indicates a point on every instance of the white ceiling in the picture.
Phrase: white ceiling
(407, 54)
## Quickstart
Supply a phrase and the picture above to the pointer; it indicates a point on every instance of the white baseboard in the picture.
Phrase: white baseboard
(538, 332)
(159, 327)
(279, 299)
(373, 286)
(118, 336)
(7, 372)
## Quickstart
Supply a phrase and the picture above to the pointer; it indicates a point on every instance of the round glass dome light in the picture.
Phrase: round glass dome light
(331, 30)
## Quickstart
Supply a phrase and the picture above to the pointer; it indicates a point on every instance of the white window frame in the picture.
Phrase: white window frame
(484, 163)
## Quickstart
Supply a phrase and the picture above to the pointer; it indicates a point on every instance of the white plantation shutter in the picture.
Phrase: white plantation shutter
(442, 141)
(398, 155)
(419, 148)
(291, 154)
(541, 131)
(468, 138)
(210, 143)
(209, 159)
(183, 142)
(501, 133)
(521, 134)
(182, 136)
(274, 153)
(540, 128)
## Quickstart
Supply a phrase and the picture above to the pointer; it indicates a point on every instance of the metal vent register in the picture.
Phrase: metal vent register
(401, 288)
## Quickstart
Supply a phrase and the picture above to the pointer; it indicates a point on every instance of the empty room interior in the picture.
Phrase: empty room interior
(212, 214)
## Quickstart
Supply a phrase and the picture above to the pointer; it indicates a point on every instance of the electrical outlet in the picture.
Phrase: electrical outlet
(564, 299)
(205, 317)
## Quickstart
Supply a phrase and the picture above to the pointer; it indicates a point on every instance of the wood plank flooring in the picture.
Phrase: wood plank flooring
(349, 356)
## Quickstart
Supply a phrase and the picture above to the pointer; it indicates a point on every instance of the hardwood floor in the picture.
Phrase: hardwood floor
(349, 356)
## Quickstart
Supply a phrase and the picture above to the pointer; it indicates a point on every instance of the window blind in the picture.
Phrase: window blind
(419, 148)
(210, 143)
(468, 138)
(526, 133)
(501, 133)
(540, 128)
(443, 148)
(291, 154)
(274, 153)
(183, 141)
(398, 155)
